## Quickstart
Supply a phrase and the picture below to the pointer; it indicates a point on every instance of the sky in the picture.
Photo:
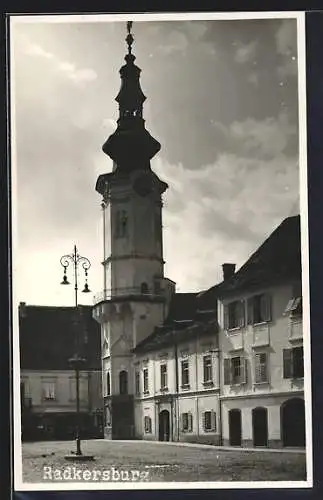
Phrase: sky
(222, 99)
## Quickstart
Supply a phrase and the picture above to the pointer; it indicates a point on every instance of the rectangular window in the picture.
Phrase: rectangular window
(234, 315)
(261, 367)
(235, 370)
(187, 422)
(121, 225)
(147, 425)
(146, 383)
(207, 369)
(49, 390)
(163, 376)
(137, 383)
(185, 373)
(293, 360)
(259, 309)
(209, 421)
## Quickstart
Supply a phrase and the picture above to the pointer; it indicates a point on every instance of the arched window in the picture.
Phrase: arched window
(144, 288)
(108, 384)
(123, 382)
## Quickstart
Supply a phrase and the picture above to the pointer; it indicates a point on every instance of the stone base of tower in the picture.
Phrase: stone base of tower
(120, 409)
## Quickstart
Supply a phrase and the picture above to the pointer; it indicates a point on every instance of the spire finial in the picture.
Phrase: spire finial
(129, 38)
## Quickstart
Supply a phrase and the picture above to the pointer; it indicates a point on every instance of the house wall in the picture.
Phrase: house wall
(272, 337)
(196, 399)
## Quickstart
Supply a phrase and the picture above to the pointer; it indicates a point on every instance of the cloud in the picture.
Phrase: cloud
(286, 45)
(286, 38)
(222, 212)
(253, 78)
(245, 52)
(264, 139)
(77, 75)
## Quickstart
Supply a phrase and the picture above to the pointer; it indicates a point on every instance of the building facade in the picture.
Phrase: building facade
(261, 346)
(223, 366)
(47, 382)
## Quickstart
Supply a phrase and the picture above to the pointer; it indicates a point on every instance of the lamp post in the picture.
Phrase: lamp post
(77, 360)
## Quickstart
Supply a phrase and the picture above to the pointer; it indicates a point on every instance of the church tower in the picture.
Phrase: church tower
(136, 293)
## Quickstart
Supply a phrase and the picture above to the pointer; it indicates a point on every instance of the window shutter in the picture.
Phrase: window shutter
(182, 422)
(243, 370)
(288, 363)
(289, 306)
(242, 318)
(213, 421)
(250, 311)
(227, 371)
(226, 317)
(190, 422)
(204, 421)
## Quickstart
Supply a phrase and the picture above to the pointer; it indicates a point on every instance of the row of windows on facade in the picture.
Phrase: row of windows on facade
(49, 390)
(235, 371)
(186, 422)
(236, 367)
(255, 310)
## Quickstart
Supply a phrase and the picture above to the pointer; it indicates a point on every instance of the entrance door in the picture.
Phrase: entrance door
(293, 422)
(164, 425)
(260, 426)
(235, 427)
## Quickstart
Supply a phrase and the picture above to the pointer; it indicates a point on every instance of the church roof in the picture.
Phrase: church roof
(188, 317)
(47, 337)
(277, 260)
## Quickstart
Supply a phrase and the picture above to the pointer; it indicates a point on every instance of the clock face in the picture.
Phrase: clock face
(143, 184)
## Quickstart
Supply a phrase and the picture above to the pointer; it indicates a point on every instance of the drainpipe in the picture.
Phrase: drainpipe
(220, 402)
(197, 398)
(176, 387)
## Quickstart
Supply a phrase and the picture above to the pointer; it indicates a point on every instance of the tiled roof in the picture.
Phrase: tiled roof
(188, 317)
(277, 260)
(48, 337)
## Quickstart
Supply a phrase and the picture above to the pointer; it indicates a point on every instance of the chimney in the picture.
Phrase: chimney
(228, 270)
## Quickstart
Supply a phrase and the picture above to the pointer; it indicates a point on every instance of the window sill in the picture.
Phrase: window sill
(209, 430)
(209, 383)
(146, 393)
(265, 382)
(261, 323)
(185, 387)
(186, 431)
(163, 389)
(234, 330)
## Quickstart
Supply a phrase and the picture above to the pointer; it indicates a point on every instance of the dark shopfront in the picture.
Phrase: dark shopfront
(60, 426)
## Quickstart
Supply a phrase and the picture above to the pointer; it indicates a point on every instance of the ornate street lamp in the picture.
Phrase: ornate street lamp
(77, 361)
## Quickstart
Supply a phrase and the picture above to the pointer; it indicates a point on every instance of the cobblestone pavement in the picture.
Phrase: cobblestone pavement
(154, 462)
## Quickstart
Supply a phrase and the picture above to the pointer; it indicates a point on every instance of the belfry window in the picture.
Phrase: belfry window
(121, 230)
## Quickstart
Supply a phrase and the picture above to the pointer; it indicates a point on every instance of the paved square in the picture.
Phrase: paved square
(160, 462)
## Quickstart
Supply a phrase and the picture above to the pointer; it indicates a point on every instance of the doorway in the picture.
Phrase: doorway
(260, 426)
(164, 425)
(235, 427)
(293, 422)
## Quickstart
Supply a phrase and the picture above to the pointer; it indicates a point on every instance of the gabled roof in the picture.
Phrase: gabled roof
(188, 317)
(48, 337)
(277, 260)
